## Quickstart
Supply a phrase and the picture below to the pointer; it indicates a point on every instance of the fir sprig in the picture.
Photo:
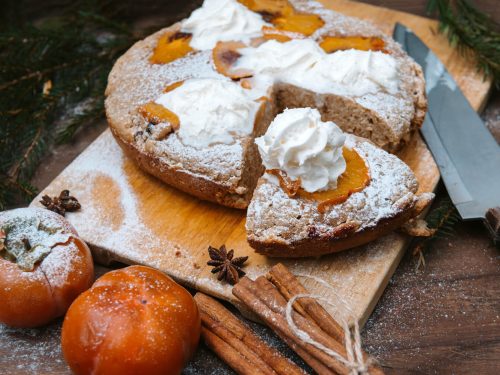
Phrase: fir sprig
(47, 70)
(472, 32)
(441, 220)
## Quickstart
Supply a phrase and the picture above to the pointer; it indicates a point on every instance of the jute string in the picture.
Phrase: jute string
(354, 361)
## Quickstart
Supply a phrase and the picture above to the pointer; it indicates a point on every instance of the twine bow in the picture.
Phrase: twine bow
(354, 361)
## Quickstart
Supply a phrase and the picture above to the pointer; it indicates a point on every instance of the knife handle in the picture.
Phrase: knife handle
(492, 221)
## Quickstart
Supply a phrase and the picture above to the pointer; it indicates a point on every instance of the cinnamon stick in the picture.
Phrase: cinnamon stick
(264, 299)
(220, 322)
(278, 325)
(220, 331)
(271, 311)
(228, 354)
(274, 300)
(289, 286)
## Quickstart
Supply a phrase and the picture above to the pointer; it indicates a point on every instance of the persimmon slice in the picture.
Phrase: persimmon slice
(355, 178)
(271, 33)
(225, 54)
(172, 86)
(339, 43)
(303, 23)
(155, 113)
(268, 9)
(289, 186)
(170, 47)
(246, 83)
(284, 16)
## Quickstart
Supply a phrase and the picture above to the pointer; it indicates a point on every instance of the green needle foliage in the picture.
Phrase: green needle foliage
(442, 220)
(58, 66)
(472, 32)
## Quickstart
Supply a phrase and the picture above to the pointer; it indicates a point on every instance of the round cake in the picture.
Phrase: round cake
(187, 102)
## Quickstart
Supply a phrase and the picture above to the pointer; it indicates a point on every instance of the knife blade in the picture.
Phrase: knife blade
(467, 155)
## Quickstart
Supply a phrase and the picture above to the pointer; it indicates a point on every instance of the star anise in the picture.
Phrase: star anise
(229, 268)
(61, 204)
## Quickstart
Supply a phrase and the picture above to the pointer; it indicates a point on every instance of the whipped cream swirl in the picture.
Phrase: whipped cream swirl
(211, 111)
(302, 62)
(222, 20)
(300, 144)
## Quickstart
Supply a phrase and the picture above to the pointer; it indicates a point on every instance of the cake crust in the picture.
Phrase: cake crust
(343, 237)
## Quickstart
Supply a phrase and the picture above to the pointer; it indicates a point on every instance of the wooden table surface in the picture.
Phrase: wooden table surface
(444, 319)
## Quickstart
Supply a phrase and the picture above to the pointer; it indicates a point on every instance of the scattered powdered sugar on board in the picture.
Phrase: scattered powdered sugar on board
(352, 274)
(130, 240)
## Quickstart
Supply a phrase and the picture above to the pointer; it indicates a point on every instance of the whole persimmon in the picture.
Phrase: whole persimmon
(134, 320)
(44, 266)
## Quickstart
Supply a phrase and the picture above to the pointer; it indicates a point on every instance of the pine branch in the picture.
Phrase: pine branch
(57, 67)
(472, 32)
(36, 142)
(443, 218)
(68, 127)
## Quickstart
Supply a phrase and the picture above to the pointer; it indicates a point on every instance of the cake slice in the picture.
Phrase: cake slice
(344, 202)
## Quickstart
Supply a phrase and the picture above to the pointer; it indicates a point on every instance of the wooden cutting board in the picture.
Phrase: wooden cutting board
(133, 218)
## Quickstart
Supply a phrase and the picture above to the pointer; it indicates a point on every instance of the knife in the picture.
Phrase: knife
(467, 155)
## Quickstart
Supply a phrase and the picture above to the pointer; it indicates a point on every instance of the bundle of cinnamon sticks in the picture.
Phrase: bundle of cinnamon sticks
(325, 350)
(237, 345)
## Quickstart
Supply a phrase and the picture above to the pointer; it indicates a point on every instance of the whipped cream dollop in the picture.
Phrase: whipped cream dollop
(222, 20)
(300, 144)
(302, 62)
(211, 111)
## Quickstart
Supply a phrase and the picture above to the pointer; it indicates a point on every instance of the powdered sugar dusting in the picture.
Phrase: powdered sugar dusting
(60, 263)
(353, 274)
(224, 163)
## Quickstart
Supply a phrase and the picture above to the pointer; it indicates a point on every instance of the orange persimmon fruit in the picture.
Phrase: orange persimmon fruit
(35, 292)
(134, 320)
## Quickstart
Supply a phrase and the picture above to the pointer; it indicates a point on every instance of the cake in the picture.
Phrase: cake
(187, 102)
(326, 191)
